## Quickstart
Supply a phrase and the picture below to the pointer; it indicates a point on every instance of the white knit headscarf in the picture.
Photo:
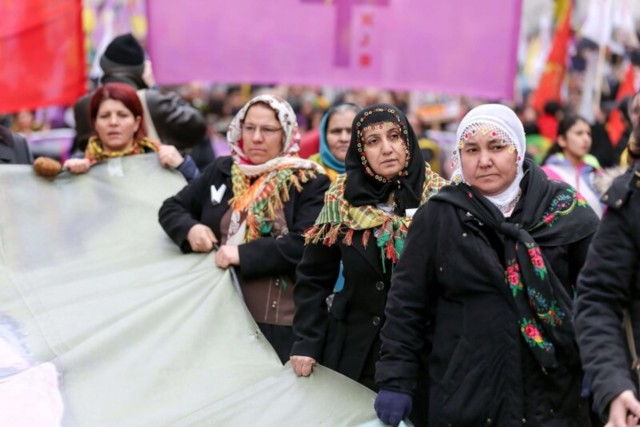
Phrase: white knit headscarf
(505, 123)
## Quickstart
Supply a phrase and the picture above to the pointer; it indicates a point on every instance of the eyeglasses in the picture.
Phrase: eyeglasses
(265, 131)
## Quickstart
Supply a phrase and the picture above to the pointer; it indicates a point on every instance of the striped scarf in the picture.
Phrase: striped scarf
(338, 217)
(95, 150)
(262, 199)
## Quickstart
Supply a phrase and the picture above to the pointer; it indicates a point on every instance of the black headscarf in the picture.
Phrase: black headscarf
(365, 187)
(549, 213)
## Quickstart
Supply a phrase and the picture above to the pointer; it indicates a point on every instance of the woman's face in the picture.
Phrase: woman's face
(577, 141)
(488, 164)
(262, 134)
(339, 133)
(384, 149)
(115, 125)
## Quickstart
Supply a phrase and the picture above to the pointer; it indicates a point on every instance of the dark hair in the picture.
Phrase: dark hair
(118, 92)
(339, 109)
(552, 107)
(567, 123)
(563, 127)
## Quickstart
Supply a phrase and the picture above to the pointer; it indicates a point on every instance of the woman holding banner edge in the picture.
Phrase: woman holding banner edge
(362, 225)
(256, 204)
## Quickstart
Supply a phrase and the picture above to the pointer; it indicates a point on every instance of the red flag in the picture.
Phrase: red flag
(41, 53)
(553, 75)
(615, 125)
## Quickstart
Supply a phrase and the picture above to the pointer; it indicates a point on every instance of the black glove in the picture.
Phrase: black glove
(392, 406)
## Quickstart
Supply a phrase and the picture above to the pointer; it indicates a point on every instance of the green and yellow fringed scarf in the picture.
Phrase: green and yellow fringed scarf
(338, 218)
(95, 150)
(262, 199)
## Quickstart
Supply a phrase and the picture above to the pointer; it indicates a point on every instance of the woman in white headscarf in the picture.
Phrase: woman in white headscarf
(486, 283)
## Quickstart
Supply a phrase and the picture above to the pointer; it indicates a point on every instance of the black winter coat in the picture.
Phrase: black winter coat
(609, 284)
(449, 292)
(14, 148)
(264, 257)
(344, 338)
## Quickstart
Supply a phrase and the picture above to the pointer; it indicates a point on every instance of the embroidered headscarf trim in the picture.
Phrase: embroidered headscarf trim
(365, 187)
(95, 151)
(502, 123)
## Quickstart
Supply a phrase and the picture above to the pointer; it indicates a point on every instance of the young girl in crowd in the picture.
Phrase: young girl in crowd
(570, 161)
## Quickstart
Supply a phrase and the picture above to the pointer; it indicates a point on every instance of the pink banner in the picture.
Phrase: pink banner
(460, 47)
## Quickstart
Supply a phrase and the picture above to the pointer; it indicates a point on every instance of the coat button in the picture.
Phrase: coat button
(524, 421)
(274, 304)
(605, 197)
(380, 286)
(618, 203)
(488, 421)
(375, 320)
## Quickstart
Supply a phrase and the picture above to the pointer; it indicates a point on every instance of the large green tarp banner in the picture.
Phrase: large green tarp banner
(103, 322)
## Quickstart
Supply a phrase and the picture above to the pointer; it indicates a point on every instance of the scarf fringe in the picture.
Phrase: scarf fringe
(263, 199)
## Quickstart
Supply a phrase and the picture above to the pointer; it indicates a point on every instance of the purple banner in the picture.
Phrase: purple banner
(460, 47)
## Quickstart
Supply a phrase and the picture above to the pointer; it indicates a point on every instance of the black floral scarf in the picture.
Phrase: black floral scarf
(549, 213)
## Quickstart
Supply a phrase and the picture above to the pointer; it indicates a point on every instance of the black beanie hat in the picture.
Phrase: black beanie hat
(124, 54)
(125, 50)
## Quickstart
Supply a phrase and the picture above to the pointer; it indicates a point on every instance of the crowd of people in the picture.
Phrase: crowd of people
(489, 286)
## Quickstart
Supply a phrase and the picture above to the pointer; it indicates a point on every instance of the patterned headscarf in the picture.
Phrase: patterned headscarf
(502, 123)
(352, 202)
(260, 191)
(291, 142)
(363, 185)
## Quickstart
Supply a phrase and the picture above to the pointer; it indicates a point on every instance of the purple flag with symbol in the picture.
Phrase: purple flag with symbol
(462, 47)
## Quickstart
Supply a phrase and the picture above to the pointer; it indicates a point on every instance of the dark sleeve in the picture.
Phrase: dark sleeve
(270, 256)
(181, 212)
(174, 117)
(604, 289)
(189, 169)
(408, 306)
(23, 154)
(577, 257)
(316, 276)
(82, 124)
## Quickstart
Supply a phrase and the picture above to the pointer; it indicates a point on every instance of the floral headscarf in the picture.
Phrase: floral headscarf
(260, 191)
(291, 141)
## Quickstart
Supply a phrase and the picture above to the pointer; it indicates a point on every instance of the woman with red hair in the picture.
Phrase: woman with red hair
(117, 119)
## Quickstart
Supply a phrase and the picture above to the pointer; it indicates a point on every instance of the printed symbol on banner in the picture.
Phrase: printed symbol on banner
(365, 60)
(342, 34)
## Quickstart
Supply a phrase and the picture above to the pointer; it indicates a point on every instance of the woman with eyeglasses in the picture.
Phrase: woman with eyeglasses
(254, 204)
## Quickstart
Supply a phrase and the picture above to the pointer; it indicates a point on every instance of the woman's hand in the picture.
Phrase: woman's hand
(169, 156)
(302, 365)
(77, 165)
(227, 255)
(624, 410)
(201, 238)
